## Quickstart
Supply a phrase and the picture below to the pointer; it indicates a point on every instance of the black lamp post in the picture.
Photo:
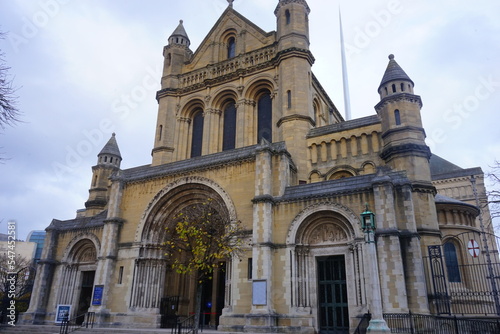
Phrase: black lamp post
(377, 323)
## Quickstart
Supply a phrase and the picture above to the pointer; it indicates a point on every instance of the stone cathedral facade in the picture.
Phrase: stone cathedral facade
(244, 121)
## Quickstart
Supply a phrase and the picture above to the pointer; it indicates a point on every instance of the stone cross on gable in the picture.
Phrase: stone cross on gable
(230, 3)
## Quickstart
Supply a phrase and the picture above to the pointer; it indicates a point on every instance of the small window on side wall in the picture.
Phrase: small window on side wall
(231, 47)
(451, 259)
(397, 117)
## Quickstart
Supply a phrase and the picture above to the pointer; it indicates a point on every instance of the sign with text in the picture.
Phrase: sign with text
(97, 298)
(62, 311)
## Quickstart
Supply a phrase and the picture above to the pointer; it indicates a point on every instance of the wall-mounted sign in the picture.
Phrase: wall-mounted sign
(259, 292)
(97, 297)
(62, 311)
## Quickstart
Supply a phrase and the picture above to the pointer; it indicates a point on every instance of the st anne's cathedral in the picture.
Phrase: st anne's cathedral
(244, 121)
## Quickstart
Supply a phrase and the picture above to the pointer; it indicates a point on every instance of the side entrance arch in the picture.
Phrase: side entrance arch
(77, 273)
(327, 277)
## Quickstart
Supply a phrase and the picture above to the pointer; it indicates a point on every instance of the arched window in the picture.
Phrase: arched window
(169, 59)
(197, 134)
(402, 87)
(231, 47)
(397, 117)
(393, 88)
(451, 259)
(386, 92)
(287, 16)
(289, 98)
(229, 132)
(160, 130)
(264, 117)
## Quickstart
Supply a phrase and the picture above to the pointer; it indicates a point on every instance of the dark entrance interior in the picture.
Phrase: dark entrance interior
(212, 300)
(85, 295)
(332, 293)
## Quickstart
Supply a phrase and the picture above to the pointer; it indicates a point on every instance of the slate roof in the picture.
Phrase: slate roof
(79, 222)
(343, 126)
(443, 169)
(394, 72)
(180, 31)
(338, 187)
(441, 199)
(198, 163)
(111, 147)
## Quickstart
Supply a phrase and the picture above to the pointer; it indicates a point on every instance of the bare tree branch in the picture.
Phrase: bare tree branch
(9, 111)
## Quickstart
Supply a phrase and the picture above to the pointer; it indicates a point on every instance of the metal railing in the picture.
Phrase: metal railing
(424, 323)
(80, 321)
(184, 326)
(363, 324)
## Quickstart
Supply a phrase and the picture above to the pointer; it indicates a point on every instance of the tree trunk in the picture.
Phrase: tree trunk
(197, 311)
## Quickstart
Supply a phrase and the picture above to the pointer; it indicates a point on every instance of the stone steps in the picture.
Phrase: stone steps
(53, 329)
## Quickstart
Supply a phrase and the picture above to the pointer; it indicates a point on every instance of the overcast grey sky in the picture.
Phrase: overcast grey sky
(90, 68)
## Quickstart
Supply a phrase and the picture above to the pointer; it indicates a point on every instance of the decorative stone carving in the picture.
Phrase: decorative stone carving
(88, 255)
(327, 233)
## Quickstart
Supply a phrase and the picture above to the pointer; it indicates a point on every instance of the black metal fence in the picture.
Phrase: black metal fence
(464, 275)
(184, 326)
(85, 320)
(422, 323)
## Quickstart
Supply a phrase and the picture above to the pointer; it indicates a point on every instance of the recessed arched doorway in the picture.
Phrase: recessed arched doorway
(77, 275)
(156, 284)
(325, 250)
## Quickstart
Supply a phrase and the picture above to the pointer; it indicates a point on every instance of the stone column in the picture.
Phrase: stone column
(262, 243)
(43, 280)
(377, 323)
(109, 249)
(390, 260)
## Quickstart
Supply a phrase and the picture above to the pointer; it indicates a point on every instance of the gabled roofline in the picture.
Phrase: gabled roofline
(217, 23)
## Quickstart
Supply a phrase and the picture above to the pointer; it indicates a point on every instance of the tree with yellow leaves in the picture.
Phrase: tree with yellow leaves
(199, 238)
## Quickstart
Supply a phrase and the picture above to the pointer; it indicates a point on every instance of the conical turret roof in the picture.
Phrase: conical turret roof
(394, 72)
(111, 147)
(180, 32)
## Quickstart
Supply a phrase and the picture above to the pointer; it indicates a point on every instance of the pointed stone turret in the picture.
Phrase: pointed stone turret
(108, 161)
(402, 130)
(395, 80)
(179, 36)
(110, 153)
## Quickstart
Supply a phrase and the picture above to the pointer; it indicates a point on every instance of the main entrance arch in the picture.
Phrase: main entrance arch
(155, 285)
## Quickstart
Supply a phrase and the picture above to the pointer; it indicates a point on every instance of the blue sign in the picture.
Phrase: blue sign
(97, 298)
(62, 313)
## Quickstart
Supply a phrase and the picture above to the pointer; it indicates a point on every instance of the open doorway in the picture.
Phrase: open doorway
(85, 295)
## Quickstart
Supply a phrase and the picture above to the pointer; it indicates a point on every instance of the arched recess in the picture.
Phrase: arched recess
(315, 176)
(322, 231)
(340, 172)
(77, 271)
(252, 95)
(318, 113)
(351, 221)
(368, 167)
(228, 43)
(189, 141)
(174, 202)
(83, 241)
(179, 189)
(153, 279)
(225, 101)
